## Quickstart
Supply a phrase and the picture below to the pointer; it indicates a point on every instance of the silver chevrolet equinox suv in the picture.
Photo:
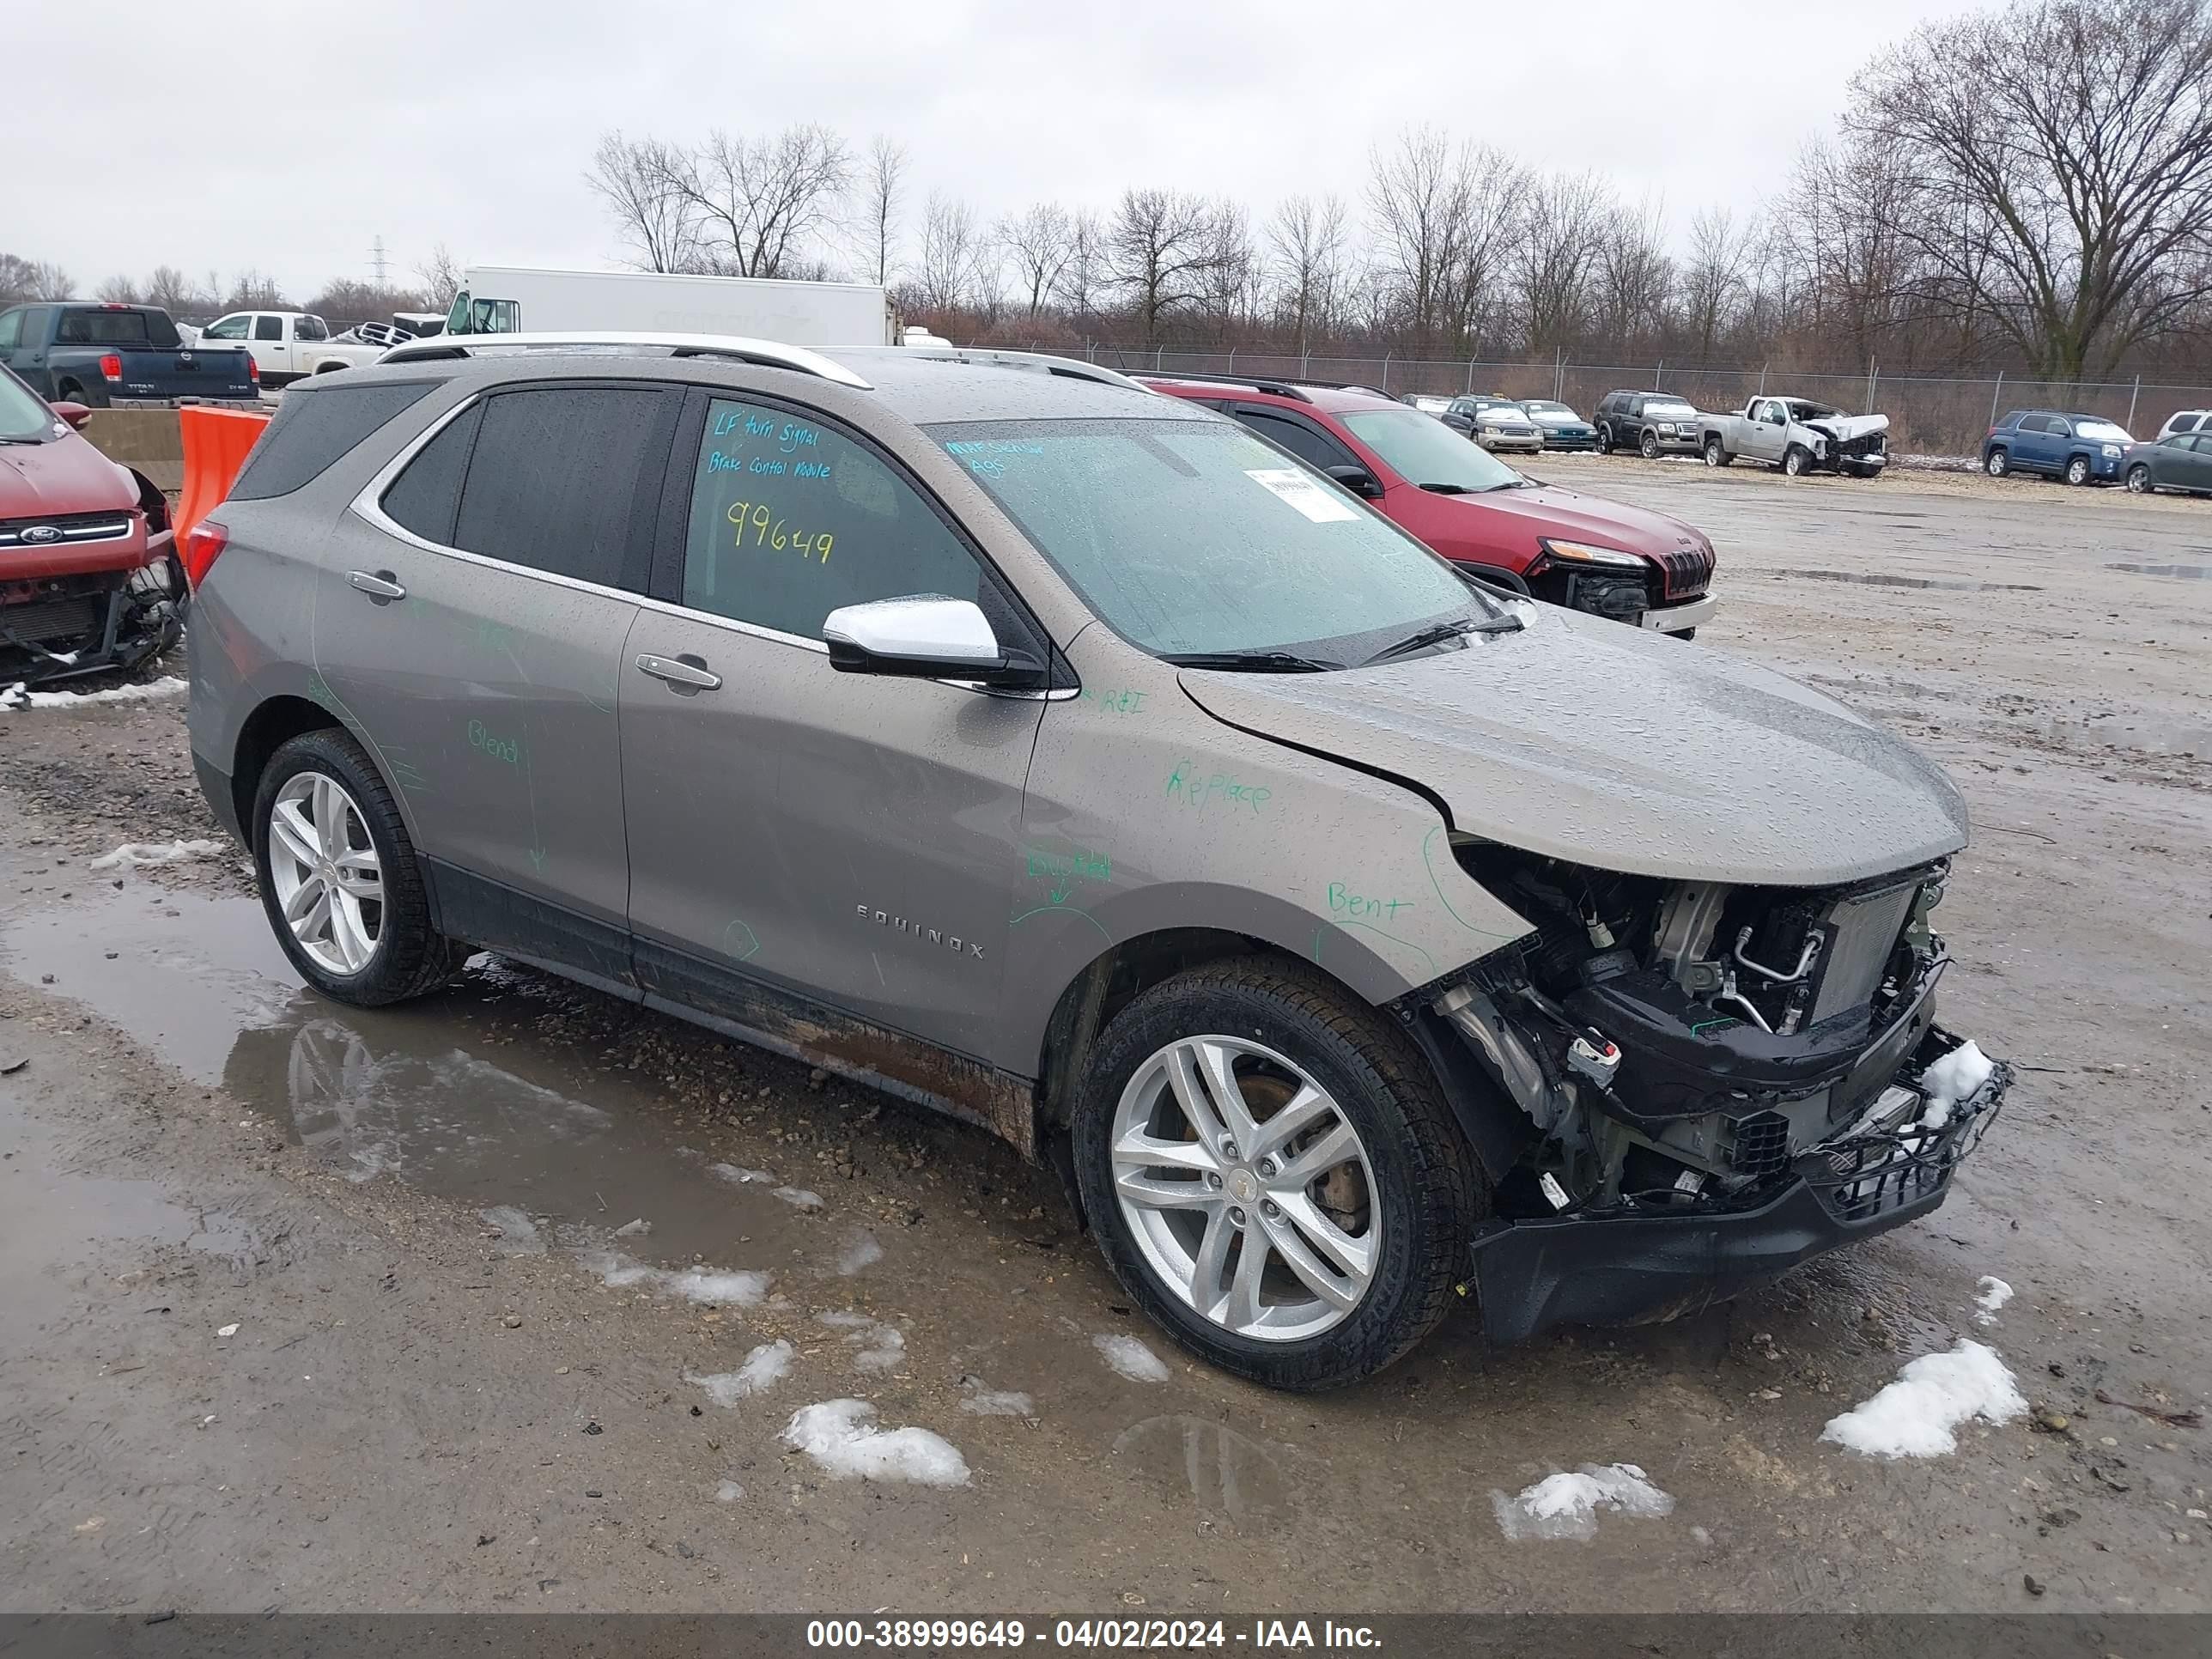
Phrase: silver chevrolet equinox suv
(1067, 758)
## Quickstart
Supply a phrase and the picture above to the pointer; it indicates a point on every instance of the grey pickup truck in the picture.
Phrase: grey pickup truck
(97, 355)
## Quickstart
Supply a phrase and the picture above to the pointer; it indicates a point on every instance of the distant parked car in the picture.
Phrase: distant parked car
(2079, 448)
(1797, 435)
(1496, 423)
(2182, 461)
(1652, 423)
(1562, 428)
(97, 355)
(1429, 403)
(2188, 420)
(291, 345)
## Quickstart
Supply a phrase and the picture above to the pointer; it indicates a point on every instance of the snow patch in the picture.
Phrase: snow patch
(764, 1368)
(862, 1252)
(841, 1437)
(133, 853)
(1566, 1506)
(707, 1285)
(518, 1233)
(1130, 1358)
(1954, 1077)
(1916, 1415)
(739, 1177)
(728, 1492)
(1995, 1293)
(996, 1402)
(16, 697)
(799, 1198)
(882, 1347)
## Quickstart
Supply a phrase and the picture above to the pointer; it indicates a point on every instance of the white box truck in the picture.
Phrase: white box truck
(516, 299)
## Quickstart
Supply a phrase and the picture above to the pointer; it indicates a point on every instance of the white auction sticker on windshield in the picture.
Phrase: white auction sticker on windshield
(1315, 500)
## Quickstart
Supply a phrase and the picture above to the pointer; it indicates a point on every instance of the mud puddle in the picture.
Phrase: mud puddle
(1882, 579)
(425, 1094)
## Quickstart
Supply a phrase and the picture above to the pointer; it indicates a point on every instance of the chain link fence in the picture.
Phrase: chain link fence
(1929, 415)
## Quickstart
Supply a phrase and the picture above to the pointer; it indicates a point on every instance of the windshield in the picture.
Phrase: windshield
(1800, 410)
(22, 415)
(2102, 432)
(1557, 411)
(1195, 536)
(1669, 410)
(1425, 452)
(1503, 412)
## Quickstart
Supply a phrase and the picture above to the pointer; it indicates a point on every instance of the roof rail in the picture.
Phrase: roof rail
(1273, 385)
(766, 353)
(1042, 362)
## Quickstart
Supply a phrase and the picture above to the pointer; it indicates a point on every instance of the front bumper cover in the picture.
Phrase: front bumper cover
(1636, 1267)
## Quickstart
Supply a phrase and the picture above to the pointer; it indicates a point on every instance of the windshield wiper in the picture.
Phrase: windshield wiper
(1448, 489)
(1254, 662)
(1440, 632)
(9, 438)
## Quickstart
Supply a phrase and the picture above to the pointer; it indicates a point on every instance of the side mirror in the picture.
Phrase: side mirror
(926, 636)
(1359, 480)
(75, 413)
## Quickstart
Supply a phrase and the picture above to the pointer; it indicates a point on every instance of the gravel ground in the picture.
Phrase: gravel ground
(434, 1398)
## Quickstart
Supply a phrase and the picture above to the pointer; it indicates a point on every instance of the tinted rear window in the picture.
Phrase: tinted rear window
(427, 496)
(567, 480)
(314, 428)
(119, 328)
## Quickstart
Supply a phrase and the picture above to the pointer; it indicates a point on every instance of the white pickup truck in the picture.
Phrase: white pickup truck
(1797, 435)
(289, 345)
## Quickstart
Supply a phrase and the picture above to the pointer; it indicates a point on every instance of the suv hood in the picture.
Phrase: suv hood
(1584, 740)
(1844, 427)
(66, 474)
(1548, 510)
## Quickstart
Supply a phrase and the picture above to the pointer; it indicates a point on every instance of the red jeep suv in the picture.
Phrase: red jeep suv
(1573, 550)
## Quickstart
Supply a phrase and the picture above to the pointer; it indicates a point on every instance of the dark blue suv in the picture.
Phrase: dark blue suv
(2079, 448)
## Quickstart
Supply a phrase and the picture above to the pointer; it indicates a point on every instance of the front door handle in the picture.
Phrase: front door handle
(687, 673)
(382, 585)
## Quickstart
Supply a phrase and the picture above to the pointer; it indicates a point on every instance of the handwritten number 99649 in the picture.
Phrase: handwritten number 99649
(767, 532)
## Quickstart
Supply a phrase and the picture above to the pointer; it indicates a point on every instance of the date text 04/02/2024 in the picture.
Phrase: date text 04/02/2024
(1258, 1636)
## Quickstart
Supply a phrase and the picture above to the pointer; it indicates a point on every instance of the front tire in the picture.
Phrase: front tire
(2139, 479)
(1603, 442)
(2077, 471)
(1648, 445)
(1274, 1174)
(339, 879)
(1794, 460)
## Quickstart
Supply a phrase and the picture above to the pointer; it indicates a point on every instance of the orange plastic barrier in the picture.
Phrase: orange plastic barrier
(215, 443)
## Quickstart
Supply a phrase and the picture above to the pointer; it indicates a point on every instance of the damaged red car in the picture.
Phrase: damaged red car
(89, 574)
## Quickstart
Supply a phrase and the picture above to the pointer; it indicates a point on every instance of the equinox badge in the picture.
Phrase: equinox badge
(929, 935)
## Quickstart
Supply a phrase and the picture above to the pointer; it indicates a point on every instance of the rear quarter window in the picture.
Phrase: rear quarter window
(314, 428)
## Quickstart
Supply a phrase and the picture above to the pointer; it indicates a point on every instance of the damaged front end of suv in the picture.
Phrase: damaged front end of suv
(1720, 1080)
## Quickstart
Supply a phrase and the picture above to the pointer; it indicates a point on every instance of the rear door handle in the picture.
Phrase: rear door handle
(379, 584)
(689, 673)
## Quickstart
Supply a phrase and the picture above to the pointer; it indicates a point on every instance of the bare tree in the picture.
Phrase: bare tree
(1716, 278)
(1554, 265)
(1085, 277)
(1634, 275)
(255, 290)
(170, 289)
(1039, 242)
(24, 279)
(761, 203)
(439, 276)
(883, 187)
(345, 300)
(956, 270)
(1447, 219)
(634, 178)
(1307, 248)
(2079, 134)
(1841, 227)
(1165, 250)
(119, 290)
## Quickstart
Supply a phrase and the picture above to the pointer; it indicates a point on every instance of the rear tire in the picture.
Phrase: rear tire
(1996, 464)
(1685, 634)
(329, 840)
(2139, 479)
(1648, 445)
(1716, 454)
(1794, 461)
(1389, 1217)
(2077, 471)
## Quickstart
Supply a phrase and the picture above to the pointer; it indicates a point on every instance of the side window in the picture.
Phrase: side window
(311, 329)
(11, 330)
(790, 520)
(268, 328)
(566, 479)
(227, 328)
(426, 496)
(2033, 423)
(1315, 448)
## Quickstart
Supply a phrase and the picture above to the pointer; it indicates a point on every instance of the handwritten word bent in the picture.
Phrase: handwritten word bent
(767, 532)
(1220, 789)
(1343, 902)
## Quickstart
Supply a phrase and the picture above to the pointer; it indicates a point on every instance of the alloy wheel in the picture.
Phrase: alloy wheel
(328, 880)
(1246, 1188)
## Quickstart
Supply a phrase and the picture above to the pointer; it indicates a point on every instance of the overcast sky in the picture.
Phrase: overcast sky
(231, 133)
